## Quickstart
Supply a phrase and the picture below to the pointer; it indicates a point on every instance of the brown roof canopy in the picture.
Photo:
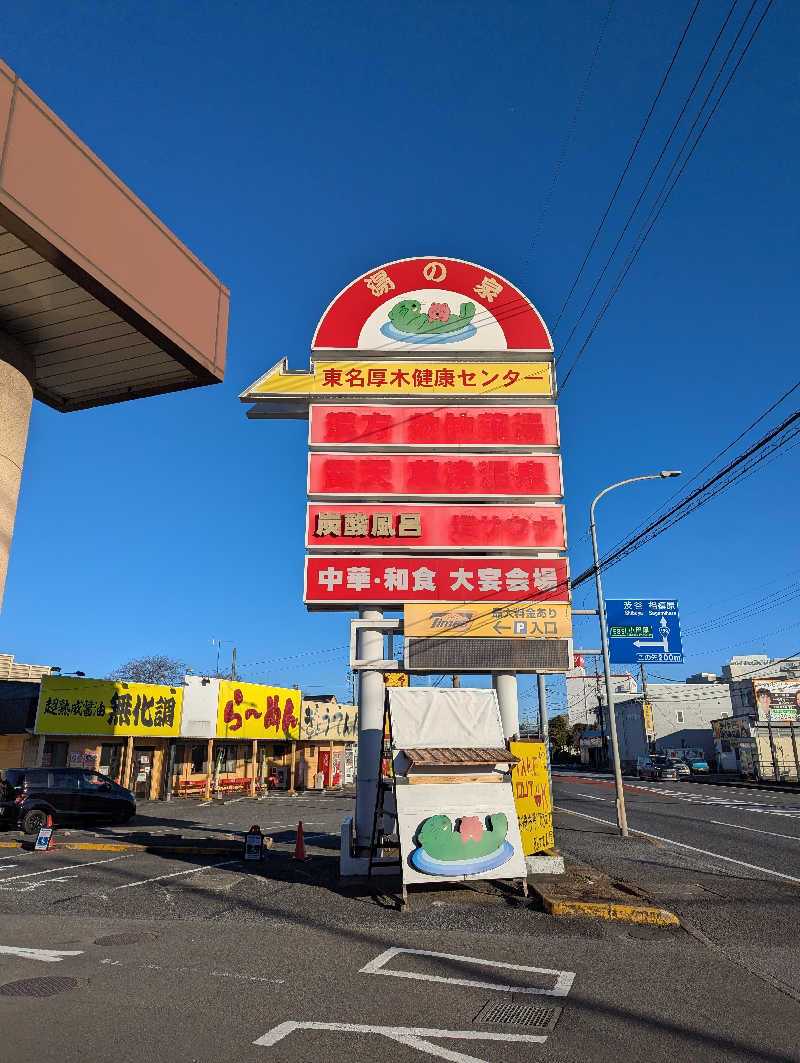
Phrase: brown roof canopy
(105, 299)
(451, 757)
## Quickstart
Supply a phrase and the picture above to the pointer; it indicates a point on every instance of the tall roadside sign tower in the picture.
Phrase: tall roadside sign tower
(99, 302)
(434, 480)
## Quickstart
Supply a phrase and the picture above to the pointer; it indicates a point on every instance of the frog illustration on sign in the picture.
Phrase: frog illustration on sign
(468, 850)
(437, 324)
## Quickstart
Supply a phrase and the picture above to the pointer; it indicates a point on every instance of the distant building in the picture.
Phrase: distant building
(681, 716)
(585, 693)
(19, 695)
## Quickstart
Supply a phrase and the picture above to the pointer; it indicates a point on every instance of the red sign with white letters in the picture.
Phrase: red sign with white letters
(336, 580)
(432, 426)
(462, 475)
(341, 526)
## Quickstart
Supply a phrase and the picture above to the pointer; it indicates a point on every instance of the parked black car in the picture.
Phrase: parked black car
(29, 795)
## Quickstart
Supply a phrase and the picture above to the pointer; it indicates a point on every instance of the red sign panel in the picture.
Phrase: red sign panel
(357, 580)
(341, 526)
(432, 426)
(478, 476)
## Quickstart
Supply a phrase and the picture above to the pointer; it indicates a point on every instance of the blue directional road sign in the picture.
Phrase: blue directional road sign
(641, 630)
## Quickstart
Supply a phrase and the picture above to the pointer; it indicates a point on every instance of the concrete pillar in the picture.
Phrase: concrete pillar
(505, 685)
(16, 397)
(254, 769)
(371, 695)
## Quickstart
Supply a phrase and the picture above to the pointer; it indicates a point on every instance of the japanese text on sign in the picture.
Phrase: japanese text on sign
(530, 779)
(457, 378)
(445, 475)
(249, 710)
(448, 620)
(407, 425)
(101, 706)
(377, 579)
(437, 527)
(321, 720)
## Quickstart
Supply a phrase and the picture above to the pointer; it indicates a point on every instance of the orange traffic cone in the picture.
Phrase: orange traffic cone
(49, 822)
(300, 844)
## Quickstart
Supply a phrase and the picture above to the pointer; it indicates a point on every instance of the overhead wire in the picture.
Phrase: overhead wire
(652, 173)
(639, 244)
(627, 165)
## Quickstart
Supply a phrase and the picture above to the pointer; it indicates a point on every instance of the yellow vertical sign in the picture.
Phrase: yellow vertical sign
(533, 800)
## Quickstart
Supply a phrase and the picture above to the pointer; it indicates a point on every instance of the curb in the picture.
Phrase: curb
(627, 913)
(158, 850)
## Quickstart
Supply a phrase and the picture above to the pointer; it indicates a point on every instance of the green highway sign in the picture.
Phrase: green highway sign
(630, 632)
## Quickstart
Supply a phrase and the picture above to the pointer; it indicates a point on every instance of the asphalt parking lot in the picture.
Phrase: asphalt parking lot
(203, 958)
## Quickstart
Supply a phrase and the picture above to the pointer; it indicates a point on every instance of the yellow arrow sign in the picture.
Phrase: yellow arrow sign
(488, 620)
(423, 380)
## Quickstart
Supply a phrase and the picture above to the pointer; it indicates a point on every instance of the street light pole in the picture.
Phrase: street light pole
(622, 820)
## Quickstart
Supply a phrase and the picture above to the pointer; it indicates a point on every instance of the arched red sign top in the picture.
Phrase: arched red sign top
(432, 302)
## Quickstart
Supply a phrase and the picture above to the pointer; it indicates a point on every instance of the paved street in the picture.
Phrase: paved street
(200, 957)
(725, 859)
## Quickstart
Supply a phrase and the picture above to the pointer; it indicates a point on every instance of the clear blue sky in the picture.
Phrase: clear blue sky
(292, 147)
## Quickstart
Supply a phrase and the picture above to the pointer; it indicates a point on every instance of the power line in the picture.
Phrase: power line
(660, 525)
(653, 170)
(639, 244)
(627, 165)
(568, 137)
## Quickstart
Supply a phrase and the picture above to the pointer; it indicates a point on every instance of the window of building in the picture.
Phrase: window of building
(111, 759)
(198, 759)
(679, 715)
(54, 755)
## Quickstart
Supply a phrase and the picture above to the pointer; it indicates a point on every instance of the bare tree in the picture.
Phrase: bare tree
(155, 669)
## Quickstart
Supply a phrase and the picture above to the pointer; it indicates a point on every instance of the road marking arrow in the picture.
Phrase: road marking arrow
(46, 955)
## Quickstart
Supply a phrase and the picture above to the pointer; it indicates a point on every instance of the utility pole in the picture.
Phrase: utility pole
(603, 746)
(233, 664)
(646, 701)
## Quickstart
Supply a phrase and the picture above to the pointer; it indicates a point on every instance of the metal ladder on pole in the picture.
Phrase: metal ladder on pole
(386, 785)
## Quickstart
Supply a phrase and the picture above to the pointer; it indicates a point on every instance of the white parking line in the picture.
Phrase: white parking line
(66, 867)
(174, 874)
(755, 830)
(46, 955)
(562, 986)
(412, 1036)
(683, 845)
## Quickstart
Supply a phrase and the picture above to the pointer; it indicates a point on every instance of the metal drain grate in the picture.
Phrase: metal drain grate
(37, 987)
(122, 939)
(529, 1015)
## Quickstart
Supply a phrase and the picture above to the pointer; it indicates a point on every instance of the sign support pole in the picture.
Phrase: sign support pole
(371, 697)
(544, 722)
(505, 685)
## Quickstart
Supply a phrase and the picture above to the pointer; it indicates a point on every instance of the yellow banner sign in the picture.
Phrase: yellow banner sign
(409, 379)
(647, 713)
(249, 710)
(327, 721)
(532, 796)
(488, 621)
(105, 707)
